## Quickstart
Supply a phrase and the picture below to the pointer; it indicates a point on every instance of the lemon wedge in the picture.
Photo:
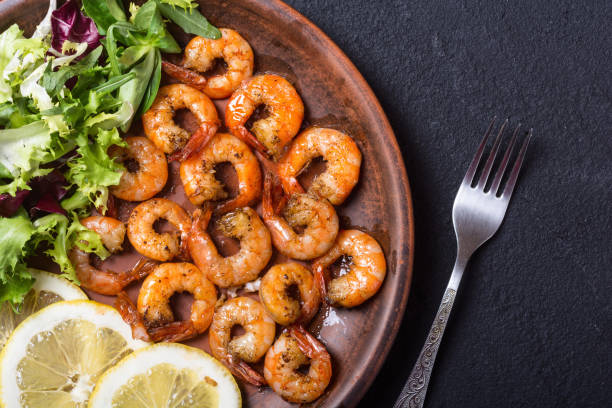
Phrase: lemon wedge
(167, 375)
(48, 288)
(54, 357)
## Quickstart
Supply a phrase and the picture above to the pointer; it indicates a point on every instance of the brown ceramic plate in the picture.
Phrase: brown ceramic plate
(335, 95)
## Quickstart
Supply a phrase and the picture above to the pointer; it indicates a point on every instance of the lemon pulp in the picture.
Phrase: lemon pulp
(165, 385)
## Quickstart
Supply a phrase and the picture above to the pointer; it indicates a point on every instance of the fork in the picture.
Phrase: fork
(478, 212)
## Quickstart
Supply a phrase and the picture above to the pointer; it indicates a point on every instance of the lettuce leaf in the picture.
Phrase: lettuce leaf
(60, 234)
(93, 170)
(15, 281)
(22, 151)
(19, 57)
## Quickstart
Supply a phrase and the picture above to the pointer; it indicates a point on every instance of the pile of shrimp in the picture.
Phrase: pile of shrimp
(301, 224)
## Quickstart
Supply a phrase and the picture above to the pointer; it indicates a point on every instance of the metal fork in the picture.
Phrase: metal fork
(477, 214)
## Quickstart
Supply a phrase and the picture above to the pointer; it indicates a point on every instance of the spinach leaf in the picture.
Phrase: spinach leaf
(104, 13)
(151, 93)
(133, 90)
(133, 54)
(124, 30)
(148, 18)
(191, 22)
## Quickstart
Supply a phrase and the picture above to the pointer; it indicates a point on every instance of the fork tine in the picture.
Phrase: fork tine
(502, 167)
(517, 167)
(469, 175)
(487, 168)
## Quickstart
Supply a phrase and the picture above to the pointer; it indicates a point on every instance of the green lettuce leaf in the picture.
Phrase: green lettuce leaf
(22, 151)
(14, 278)
(60, 234)
(19, 57)
(93, 170)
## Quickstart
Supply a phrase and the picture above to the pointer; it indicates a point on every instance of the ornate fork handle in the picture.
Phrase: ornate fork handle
(413, 393)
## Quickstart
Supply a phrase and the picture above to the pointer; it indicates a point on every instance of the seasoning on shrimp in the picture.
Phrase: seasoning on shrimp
(146, 170)
(154, 297)
(159, 246)
(159, 125)
(247, 348)
(198, 173)
(201, 55)
(316, 215)
(255, 247)
(367, 269)
(341, 155)
(274, 293)
(284, 107)
(112, 234)
(292, 350)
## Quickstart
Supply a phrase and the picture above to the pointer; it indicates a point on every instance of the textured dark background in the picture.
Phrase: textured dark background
(532, 323)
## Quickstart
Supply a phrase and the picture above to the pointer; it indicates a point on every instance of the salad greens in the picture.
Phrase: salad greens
(64, 94)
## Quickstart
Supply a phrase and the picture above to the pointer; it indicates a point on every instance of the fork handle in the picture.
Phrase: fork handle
(413, 393)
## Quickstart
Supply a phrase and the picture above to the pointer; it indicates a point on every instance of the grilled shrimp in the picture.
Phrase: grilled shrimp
(198, 173)
(255, 247)
(154, 297)
(275, 296)
(146, 170)
(112, 234)
(200, 56)
(284, 107)
(248, 347)
(366, 271)
(150, 243)
(166, 134)
(339, 151)
(316, 215)
(293, 349)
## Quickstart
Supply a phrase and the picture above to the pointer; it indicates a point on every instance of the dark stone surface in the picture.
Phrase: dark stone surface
(532, 322)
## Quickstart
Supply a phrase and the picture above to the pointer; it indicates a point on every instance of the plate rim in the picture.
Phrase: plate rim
(355, 392)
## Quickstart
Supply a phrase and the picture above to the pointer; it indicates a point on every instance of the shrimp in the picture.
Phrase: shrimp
(150, 243)
(112, 234)
(198, 173)
(293, 349)
(316, 215)
(255, 247)
(366, 273)
(339, 151)
(200, 55)
(274, 293)
(285, 113)
(146, 170)
(248, 347)
(154, 298)
(166, 134)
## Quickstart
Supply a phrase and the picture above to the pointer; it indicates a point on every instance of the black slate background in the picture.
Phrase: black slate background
(532, 322)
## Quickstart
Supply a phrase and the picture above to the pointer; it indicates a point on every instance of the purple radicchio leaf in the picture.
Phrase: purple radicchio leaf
(9, 204)
(68, 23)
(46, 193)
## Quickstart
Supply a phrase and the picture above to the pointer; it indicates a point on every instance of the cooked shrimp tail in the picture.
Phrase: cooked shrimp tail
(130, 315)
(309, 345)
(272, 189)
(247, 137)
(198, 141)
(320, 273)
(174, 332)
(244, 371)
(185, 75)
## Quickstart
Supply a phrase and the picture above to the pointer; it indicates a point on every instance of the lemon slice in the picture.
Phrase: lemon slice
(48, 288)
(54, 357)
(167, 375)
